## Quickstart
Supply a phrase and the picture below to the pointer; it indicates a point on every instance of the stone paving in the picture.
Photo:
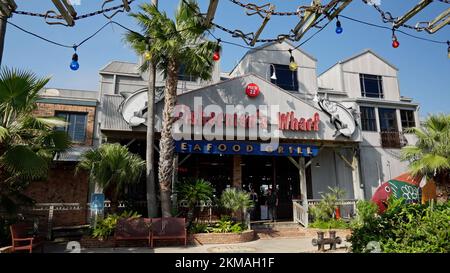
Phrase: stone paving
(279, 245)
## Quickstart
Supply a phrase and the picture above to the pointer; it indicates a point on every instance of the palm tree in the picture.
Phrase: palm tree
(112, 166)
(430, 156)
(170, 44)
(194, 191)
(237, 201)
(27, 143)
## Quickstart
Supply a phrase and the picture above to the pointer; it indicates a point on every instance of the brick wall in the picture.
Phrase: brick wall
(49, 109)
(62, 186)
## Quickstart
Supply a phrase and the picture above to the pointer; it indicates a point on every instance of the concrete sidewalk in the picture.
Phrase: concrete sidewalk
(279, 245)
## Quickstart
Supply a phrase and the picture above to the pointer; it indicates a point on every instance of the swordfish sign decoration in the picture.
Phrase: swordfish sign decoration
(340, 117)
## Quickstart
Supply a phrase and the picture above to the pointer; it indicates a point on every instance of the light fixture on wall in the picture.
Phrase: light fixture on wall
(317, 165)
(274, 75)
(316, 98)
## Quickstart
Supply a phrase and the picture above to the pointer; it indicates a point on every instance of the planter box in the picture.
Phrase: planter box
(89, 242)
(222, 238)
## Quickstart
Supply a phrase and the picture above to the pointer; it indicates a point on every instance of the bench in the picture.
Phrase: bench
(23, 240)
(168, 228)
(133, 229)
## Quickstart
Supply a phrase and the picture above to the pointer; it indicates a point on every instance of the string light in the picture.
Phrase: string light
(339, 28)
(216, 55)
(74, 65)
(395, 42)
(292, 64)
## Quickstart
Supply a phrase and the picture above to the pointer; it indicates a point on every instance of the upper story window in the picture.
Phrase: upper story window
(388, 120)
(285, 78)
(408, 120)
(368, 119)
(371, 86)
(76, 127)
(183, 76)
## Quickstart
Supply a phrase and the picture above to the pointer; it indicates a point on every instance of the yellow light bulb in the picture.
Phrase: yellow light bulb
(293, 66)
(147, 55)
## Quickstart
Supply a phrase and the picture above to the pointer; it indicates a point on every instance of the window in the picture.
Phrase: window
(368, 120)
(286, 78)
(408, 120)
(76, 127)
(371, 86)
(388, 120)
(182, 76)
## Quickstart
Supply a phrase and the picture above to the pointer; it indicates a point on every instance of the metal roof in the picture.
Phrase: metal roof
(73, 154)
(118, 67)
(111, 117)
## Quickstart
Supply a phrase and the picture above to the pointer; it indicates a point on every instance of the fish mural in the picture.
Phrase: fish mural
(404, 186)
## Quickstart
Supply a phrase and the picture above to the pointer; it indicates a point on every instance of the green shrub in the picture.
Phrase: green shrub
(405, 228)
(332, 223)
(106, 226)
(324, 210)
(224, 225)
(236, 201)
(199, 228)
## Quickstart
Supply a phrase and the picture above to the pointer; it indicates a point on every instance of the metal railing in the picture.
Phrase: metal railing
(393, 140)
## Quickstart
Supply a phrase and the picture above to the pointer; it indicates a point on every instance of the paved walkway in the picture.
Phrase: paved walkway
(279, 245)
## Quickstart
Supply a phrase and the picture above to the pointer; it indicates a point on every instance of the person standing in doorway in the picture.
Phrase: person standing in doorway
(272, 204)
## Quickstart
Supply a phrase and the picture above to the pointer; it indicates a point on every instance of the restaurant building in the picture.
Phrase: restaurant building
(264, 126)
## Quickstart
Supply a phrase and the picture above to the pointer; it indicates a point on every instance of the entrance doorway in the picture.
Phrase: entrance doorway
(262, 173)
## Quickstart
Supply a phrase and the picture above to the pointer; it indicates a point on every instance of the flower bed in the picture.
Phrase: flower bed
(222, 238)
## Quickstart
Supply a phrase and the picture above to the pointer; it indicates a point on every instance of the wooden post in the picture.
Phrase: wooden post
(237, 172)
(357, 190)
(50, 222)
(302, 174)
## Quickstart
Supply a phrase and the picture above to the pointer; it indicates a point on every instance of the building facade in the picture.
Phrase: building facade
(294, 131)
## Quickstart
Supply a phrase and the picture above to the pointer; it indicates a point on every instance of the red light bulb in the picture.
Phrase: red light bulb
(216, 56)
(395, 43)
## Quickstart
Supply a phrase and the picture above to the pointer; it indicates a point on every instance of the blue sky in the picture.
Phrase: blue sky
(424, 67)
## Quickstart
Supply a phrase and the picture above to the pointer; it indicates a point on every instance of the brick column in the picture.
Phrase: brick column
(237, 172)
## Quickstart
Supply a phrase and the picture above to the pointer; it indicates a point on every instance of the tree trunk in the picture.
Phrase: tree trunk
(442, 187)
(150, 172)
(166, 154)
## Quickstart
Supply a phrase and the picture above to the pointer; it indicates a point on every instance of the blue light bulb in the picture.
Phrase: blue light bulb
(74, 65)
(339, 28)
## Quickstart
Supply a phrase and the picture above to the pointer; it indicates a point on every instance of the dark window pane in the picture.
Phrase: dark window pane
(388, 120)
(371, 86)
(76, 127)
(183, 76)
(408, 120)
(368, 121)
(286, 78)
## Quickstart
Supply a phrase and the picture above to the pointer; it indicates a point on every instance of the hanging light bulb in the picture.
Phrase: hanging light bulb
(395, 42)
(339, 28)
(216, 55)
(74, 65)
(292, 64)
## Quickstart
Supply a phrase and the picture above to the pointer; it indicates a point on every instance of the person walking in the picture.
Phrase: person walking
(272, 204)
(254, 198)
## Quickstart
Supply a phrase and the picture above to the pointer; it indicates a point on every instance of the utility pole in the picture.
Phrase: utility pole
(150, 151)
(2, 35)
(6, 9)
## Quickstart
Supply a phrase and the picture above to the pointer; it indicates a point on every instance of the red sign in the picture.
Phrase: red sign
(252, 90)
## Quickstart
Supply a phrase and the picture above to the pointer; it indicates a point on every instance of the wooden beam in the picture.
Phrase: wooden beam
(294, 162)
(349, 164)
(211, 11)
(126, 6)
(263, 25)
(443, 18)
(66, 10)
(416, 9)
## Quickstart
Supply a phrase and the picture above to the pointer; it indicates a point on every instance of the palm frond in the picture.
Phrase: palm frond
(22, 160)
